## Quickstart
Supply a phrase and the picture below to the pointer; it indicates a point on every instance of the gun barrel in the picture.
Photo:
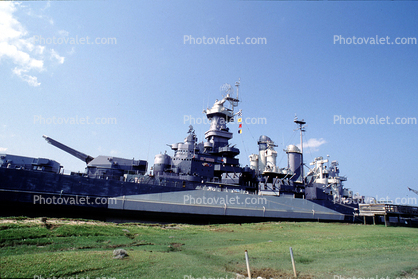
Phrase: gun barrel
(83, 157)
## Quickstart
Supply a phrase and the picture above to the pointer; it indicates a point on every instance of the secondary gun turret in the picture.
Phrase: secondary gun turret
(106, 167)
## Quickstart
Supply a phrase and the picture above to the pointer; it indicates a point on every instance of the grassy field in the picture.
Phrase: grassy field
(64, 248)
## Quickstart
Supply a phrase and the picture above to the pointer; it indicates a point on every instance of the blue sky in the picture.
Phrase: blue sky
(148, 80)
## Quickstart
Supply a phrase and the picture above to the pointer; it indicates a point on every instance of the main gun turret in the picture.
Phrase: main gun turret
(83, 157)
(107, 167)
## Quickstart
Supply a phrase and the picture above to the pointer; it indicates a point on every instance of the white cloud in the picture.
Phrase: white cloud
(47, 6)
(3, 149)
(54, 55)
(72, 51)
(17, 46)
(63, 33)
(41, 14)
(20, 72)
(313, 144)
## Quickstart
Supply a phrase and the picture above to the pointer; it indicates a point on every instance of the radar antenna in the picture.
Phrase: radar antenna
(226, 89)
(227, 92)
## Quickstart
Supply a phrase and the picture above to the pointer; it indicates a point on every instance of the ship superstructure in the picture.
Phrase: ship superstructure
(213, 161)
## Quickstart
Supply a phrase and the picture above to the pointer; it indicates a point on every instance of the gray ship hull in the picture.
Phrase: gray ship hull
(227, 205)
(20, 191)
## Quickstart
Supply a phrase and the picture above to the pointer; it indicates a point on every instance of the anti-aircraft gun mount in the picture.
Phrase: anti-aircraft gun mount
(104, 167)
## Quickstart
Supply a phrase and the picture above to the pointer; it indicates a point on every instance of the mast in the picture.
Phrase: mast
(301, 128)
(237, 85)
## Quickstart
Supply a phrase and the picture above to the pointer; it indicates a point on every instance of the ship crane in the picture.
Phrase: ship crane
(412, 190)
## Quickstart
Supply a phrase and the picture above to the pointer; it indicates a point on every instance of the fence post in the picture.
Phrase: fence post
(293, 262)
(248, 264)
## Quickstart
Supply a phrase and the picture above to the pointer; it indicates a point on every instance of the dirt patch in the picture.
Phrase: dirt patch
(172, 228)
(52, 226)
(413, 273)
(272, 273)
(175, 247)
(221, 230)
(54, 221)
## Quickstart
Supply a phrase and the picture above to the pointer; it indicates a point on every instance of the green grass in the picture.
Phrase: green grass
(61, 248)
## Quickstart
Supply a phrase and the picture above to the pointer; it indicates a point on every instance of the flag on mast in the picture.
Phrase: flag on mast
(240, 121)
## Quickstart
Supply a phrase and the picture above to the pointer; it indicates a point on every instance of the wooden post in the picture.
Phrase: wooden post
(248, 264)
(386, 220)
(293, 262)
(364, 220)
(374, 219)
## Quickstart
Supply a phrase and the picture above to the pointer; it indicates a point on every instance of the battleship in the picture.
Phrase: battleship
(200, 182)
